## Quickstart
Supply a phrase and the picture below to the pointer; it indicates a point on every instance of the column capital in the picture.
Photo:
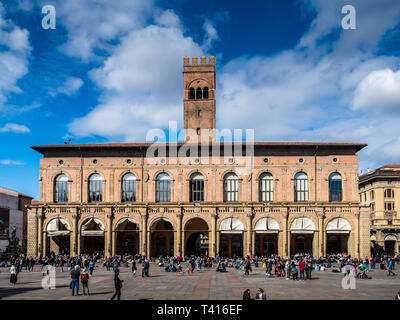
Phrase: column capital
(75, 215)
(214, 216)
(179, 215)
(110, 215)
(40, 215)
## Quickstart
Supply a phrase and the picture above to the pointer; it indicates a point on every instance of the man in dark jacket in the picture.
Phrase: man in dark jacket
(75, 274)
(118, 285)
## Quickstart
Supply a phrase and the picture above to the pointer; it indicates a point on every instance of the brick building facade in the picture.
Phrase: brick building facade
(380, 189)
(285, 197)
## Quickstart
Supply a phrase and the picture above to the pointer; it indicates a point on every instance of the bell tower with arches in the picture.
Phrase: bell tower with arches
(199, 98)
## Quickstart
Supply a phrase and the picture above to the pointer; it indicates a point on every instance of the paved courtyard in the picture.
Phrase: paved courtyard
(207, 284)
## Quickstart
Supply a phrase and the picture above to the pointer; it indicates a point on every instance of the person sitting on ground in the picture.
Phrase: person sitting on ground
(246, 295)
(261, 295)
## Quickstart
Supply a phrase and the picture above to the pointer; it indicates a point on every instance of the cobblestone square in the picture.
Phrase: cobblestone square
(207, 284)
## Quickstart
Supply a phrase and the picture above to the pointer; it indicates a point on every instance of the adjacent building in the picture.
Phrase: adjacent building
(262, 198)
(380, 190)
(13, 213)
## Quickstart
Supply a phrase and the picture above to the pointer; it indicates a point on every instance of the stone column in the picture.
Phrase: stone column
(40, 217)
(110, 240)
(178, 246)
(212, 248)
(286, 232)
(321, 235)
(145, 238)
(357, 235)
(75, 233)
(248, 249)
(32, 244)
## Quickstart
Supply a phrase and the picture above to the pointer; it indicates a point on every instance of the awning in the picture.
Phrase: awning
(58, 227)
(125, 220)
(302, 225)
(267, 225)
(390, 237)
(231, 225)
(338, 225)
(93, 227)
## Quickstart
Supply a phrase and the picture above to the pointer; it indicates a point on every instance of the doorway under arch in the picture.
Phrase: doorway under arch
(162, 238)
(196, 237)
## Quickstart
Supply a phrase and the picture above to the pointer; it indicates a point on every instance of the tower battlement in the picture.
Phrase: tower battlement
(195, 61)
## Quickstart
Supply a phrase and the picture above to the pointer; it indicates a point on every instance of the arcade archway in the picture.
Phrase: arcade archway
(161, 238)
(127, 236)
(390, 244)
(58, 235)
(266, 236)
(337, 236)
(302, 236)
(231, 238)
(92, 236)
(196, 237)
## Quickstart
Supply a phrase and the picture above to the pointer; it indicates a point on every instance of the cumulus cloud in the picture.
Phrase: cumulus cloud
(92, 25)
(15, 128)
(141, 82)
(378, 91)
(318, 90)
(70, 86)
(14, 52)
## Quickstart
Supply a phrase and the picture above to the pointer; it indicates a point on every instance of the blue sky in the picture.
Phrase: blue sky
(112, 70)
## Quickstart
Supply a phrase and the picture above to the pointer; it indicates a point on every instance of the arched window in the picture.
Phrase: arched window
(192, 93)
(205, 93)
(163, 188)
(196, 182)
(61, 188)
(372, 195)
(199, 93)
(95, 188)
(335, 187)
(300, 187)
(129, 187)
(231, 187)
(266, 187)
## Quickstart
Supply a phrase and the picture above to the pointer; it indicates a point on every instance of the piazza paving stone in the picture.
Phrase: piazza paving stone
(204, 285)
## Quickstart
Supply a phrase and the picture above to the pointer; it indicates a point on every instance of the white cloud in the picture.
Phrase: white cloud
(211, 34)
(92, 25)
(11, 162)
(13, 56)
(167, 18)
(142, 83)
(305, 93)
(16, 128)
(378, 91)
(70, 86)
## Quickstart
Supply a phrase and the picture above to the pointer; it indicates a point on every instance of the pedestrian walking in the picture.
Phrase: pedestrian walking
(85, 282)
(13, 274)
(117, 285)
(75, 274)
(91, 266)
(390, 268)
(134, 267)
(301, 269)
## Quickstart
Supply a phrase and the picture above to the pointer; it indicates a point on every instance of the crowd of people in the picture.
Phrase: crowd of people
(298, 267)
